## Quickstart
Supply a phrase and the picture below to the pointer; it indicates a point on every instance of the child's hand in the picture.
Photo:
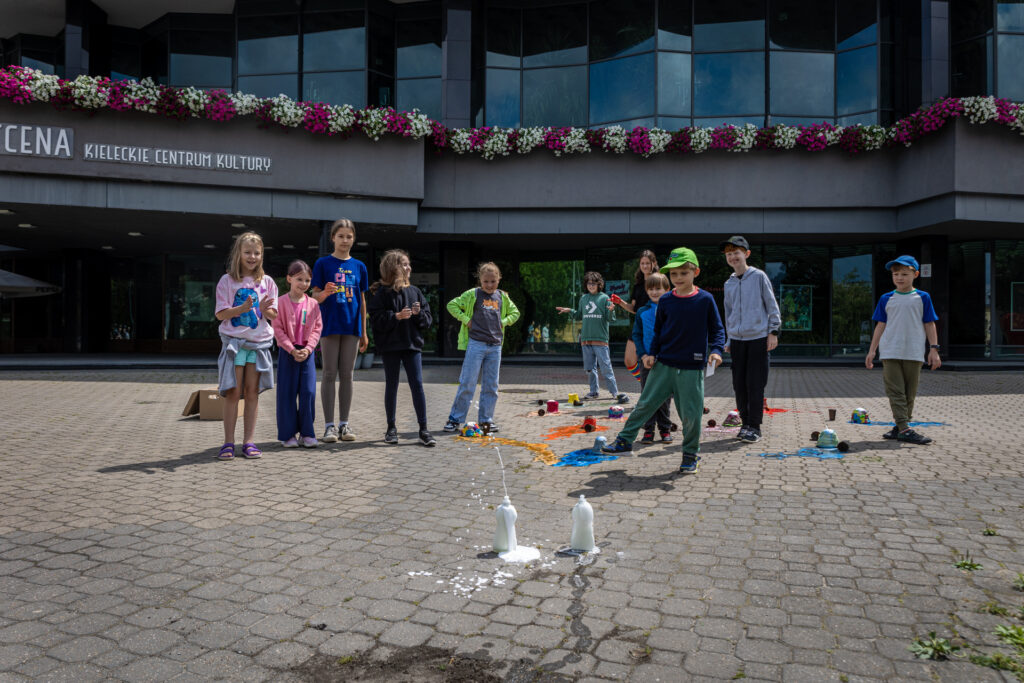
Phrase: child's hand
(562, 309)
(404, 314)
(869, 360)
(648, 361)
(330, 288)
(469, 324)
(297, 355)
(245, 306)
(714, 360)
(773, 342)
(611, 306)
(267, 308)
(364, 343)
(934, 362)
(415, 307)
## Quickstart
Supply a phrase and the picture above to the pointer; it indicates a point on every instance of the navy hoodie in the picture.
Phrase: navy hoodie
(684, 328)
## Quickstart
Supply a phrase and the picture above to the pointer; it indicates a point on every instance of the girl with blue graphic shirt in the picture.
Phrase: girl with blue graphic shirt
(339, 286)
(246, 305)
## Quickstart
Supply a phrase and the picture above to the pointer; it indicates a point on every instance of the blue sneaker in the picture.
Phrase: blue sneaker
(620, 446)
(690, 464)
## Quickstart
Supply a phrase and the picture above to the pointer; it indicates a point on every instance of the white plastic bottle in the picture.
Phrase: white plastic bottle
(505, 530)
(582, 526)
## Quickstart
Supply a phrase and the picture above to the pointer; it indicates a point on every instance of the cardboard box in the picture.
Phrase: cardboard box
(208, 404)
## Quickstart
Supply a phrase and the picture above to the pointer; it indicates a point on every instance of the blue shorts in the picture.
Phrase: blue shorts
(245, 356)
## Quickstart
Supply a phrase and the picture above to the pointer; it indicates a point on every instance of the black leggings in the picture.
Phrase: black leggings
(750, 361)
(414, 373)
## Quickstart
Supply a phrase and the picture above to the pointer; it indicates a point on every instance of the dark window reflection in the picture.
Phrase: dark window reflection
(126, 61)
(673, 123)
(200, 58)
(1011, 57)
(857, 23)
(673, 83)
(555, 97)
(268, 44)
(502, 98)
(971, 68)
(797, 120)
(333, 40)
(1010, 15)
(419, 48)
(733, 25)
(621, 27)
(420, 93)
(382, 45)
(969, 18)
(802, 83)
(346, 87)
(555, 35)
(731, 83)
(629, 124)
(802, 24)
(675, 24)
(868, 119)
(270, 86)
(503, 37)
(380, 90)
(857, 80)
(716, 121)
(622, 88)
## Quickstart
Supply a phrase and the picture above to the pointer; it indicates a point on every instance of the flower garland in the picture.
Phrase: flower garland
(22, 85)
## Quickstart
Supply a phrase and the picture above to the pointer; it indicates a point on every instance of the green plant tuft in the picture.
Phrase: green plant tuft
(933, 647)
(966, 562)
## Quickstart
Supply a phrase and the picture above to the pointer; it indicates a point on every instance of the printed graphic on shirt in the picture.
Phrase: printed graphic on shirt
(250, 318)
(491, 303)
(347, 281)
(591, 308)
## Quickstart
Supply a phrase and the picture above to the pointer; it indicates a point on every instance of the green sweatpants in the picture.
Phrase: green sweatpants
(901, 378)
(686, 387)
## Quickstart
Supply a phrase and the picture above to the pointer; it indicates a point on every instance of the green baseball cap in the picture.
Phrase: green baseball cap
(678, 257)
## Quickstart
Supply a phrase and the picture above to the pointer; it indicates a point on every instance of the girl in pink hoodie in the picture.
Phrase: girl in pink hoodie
(297, 331)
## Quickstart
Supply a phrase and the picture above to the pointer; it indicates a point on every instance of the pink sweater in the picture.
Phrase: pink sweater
(305, 331)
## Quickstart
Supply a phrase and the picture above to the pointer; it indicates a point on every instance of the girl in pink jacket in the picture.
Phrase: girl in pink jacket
(297, 331)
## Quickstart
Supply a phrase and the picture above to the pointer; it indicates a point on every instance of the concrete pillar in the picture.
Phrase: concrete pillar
(456, 62)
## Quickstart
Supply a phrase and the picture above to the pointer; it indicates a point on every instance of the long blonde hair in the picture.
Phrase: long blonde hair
(391, 272)
(235, 257)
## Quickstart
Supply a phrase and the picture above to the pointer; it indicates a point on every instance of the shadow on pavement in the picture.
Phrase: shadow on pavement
(611, 481)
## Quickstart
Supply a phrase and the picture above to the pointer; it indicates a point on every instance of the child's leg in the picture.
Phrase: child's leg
(287, 390)
(413, 362)
(489, 370)
(896, 390)
(307, 397)
(738, 353)
(911, 378)
(252, 398)
(658, 388)
(649, 424)
(467, 380)
(330, 349)
(604, 361)
(590, 367)
(346, 365)
(231, 405)
(392, 368)
(662, 416)
(688, 390)
(756, 377)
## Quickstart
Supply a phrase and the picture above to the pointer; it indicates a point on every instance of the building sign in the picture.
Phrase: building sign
(37, 141)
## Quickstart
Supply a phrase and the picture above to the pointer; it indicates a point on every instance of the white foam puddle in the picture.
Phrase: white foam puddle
(522, 553)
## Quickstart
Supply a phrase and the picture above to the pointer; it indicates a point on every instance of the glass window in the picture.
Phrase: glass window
(268, 45)
(420, 93)
(502, 98)
(802, 83)
(191, 283)
(1010, 15)
(200, 58)
(646, 122)
(673, 83)
(622, 88)
(621, 27)
(971, 68)
(1008, 297)
(345, 87)
(1011, 58)
(40, 61)
(856, 24)
(333, 40)
(968, 274)
(731, 83)
(802, 24)
(270, 86)
(673, 123)
(675, 24)
(857, 80)
(419, 48)
(504, 28)
(969, 18)
(126, 61)
(800, 276)
(733, 25)
(547, 284)
(380, 90)
(716, 121)
(798, 120)
(555, 97)
(555, 35)
(868, 119)
(852, 301)
(382, 45)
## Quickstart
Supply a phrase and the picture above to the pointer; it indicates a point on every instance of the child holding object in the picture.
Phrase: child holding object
(596, 311)
(905, 318)
(246, 304)
(484, 312)
(643, 334)
(297, 330)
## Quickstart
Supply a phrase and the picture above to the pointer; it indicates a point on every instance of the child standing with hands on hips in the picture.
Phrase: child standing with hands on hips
(596, 311)
(246, 304)
(339, 286)
(484, 312)
(297, 330)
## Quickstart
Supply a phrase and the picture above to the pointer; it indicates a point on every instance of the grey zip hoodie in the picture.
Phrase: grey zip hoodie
(751, 311)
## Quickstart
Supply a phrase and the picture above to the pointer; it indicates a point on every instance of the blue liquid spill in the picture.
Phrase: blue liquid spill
(819, 453)
(876, 423)
(582, 458)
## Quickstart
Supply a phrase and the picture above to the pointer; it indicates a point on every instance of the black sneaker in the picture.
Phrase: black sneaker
(666, 436)
(426, 439)
(752, 435)
(620, 446)
(451, 425)
(910, 436)
(622, 398)
(391, 436)
(591, 395)
(648, 437)
(489, 427)
(742, 434)
(891, 434)
(690, 464)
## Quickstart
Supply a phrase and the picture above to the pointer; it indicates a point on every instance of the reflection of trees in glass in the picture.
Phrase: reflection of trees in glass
(851, 310)
(548, 284)
(122, 320)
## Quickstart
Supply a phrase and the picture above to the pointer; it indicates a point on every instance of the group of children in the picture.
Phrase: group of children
(677, 339)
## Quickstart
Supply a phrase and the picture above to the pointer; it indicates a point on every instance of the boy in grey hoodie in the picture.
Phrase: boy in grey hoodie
(752, 323)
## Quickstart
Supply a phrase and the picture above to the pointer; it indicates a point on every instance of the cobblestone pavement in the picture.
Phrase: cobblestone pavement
(128, 552)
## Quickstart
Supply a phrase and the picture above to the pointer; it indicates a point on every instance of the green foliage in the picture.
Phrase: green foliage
(851, 308)
(993, 607)
(998, 661)
(933, 647)
(965, 562)
(1018, 582)
(1012, 635)
(989, 531)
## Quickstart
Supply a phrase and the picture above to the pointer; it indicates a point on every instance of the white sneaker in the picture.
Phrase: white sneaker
(308, 442)
(330, 434)
(290, 443)
(346, 434)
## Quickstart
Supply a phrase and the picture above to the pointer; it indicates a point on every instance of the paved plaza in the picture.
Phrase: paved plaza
(128, 552)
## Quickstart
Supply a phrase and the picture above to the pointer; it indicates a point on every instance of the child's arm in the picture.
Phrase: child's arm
(772, 307)
(716, 335)
(876, 336)
(280, 326)
(513, 312)
(315, 325)
(224, 298)
(609, 312)
(380, 313)
(321, 288)
(455, 307)
(364, 340)
(934, 362)
(637, 335)
(426, 318)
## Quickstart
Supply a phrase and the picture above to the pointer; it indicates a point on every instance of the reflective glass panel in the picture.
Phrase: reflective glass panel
(621, 27)
(968, 289)
(802, 24)
(971, 68)
(731, 83)
(622, 88)
(504, 27)
(502, 98)
(673, 83)
(802, 83)
(969, 18)
(333, 40)
(733, 25)
(345, 87)
(868, 119)
(420, 93)
(857, 23)
(270, 86)
(857, 80)
(380, 90)
(673, 123)
(716, 121)
(1010, 15)
(126, 61)
(797, 120)
(1008, 297)
(419, 48)
(555, 35)
(268, 44)
(675, 24)
(555, 97)
(852, 303)
(200, 58)
(38, 63)
(646, 122)
(1011, 59)
(382, 45)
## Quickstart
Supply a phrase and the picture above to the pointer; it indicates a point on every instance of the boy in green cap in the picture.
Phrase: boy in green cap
(686, 325)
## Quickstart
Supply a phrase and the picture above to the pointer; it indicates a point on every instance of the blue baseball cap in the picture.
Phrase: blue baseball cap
(904, 260)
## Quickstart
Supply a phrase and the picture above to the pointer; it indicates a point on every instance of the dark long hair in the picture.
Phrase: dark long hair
(639, 276)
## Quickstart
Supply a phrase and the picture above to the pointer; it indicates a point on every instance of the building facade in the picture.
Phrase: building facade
(138, 244)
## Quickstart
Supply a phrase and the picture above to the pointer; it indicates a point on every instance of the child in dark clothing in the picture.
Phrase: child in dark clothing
(643, 334)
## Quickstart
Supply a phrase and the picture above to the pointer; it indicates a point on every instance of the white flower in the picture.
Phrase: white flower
(340, 118)
(659, 141)
(530, 139)
(575, 142)
(615, 140)
(420, 124)
(373, 123)
(746, 135)
(700, 139)
(87, 93)
(43, 86)
(144, 94)
(245, 103)
(785, 136)
(980, 109)
(286, 111)
(195, 99)
(496, 144)
(874, 136)
(460, 141)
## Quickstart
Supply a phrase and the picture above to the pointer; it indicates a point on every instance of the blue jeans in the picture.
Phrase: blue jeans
(482, 362)
(595, 357)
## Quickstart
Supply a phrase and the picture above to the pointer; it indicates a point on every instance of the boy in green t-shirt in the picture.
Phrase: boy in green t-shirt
(596, 311)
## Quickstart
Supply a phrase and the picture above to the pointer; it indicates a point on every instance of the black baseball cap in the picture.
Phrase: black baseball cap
(735, 241)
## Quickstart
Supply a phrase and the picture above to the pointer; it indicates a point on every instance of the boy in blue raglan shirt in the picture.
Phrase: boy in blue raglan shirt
(905, 318)
(656, 285)
(686, 327)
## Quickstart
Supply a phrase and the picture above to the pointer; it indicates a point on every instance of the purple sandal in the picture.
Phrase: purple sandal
(249, 450)
(227, 452)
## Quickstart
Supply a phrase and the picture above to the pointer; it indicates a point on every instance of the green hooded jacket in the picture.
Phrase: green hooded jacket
(461, 308)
